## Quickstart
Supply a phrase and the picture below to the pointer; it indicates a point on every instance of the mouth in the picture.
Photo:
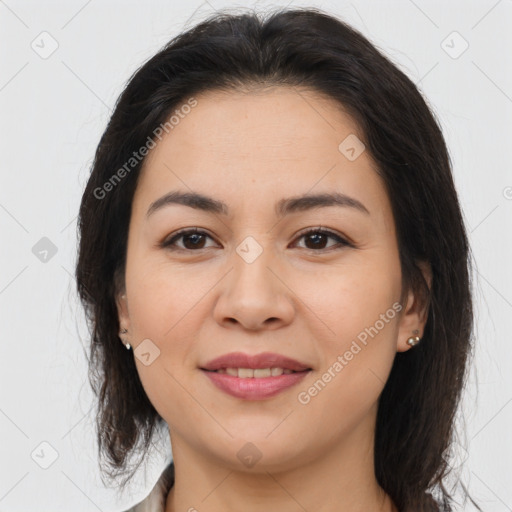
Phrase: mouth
(254, 384)
(254, 377)
(255, 373)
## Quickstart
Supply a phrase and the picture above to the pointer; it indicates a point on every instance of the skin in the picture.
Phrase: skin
(306, 301)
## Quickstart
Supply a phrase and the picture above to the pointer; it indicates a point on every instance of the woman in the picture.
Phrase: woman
(274, 264)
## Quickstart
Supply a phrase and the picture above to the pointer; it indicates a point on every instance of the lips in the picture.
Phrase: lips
(257, 377)
(254, 362)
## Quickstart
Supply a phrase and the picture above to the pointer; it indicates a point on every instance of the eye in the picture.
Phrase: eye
(193, 239)
(318, 238)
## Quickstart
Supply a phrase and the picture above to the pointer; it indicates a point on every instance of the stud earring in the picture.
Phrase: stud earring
(414, 340)
(127, 345)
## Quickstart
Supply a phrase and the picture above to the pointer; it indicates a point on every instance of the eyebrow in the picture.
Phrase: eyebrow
(283, 207)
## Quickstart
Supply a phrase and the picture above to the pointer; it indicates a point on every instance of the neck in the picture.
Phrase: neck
(343, 478)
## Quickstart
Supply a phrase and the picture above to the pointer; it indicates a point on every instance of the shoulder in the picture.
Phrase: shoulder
(155, 500)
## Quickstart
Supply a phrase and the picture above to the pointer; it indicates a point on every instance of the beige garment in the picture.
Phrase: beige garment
(155, 501)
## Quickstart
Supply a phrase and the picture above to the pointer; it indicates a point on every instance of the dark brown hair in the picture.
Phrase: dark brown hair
(310, 49)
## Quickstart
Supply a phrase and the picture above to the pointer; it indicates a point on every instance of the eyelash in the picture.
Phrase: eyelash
(169, 243)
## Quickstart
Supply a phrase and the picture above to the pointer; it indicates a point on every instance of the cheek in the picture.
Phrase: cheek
(162, 296)
(356, 361)
(348, 300)
(166, 306)
(356, 337)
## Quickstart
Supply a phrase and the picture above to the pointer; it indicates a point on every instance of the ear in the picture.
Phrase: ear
(121, 301)
(415, 314)
(122, 310)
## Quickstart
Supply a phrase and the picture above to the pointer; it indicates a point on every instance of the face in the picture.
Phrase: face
(316, 281)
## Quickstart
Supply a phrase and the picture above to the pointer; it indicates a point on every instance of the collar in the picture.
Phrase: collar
(155, 501)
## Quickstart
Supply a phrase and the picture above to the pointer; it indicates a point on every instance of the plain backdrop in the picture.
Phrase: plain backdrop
(63, 64)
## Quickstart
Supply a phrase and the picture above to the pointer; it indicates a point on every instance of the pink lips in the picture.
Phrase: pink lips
(254, 388)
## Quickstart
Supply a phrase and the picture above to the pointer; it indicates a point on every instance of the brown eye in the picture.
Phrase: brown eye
(317, 239)
(192, 239)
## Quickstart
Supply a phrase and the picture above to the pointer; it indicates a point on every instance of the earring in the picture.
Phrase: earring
(127, 345)
(413, 340)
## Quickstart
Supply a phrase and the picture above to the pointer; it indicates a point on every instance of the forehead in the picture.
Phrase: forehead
(280, 141)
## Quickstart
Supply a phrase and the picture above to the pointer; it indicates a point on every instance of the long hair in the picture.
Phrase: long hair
(296, 48)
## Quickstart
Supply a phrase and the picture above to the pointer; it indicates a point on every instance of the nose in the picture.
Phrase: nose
(254, 296)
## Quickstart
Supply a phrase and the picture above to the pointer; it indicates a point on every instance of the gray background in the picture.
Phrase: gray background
(54, 108)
